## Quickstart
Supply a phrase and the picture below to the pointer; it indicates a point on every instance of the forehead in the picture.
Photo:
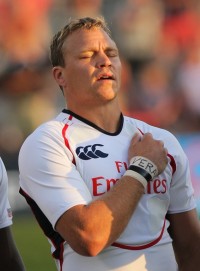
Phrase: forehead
(86, 39)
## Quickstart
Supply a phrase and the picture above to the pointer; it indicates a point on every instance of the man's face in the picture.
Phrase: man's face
(92, 69)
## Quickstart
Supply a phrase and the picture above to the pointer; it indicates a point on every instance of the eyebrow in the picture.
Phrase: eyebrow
(92, 49)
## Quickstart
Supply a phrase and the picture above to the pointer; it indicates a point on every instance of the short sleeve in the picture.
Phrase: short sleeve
(5, 209)
(181, 190)
(49, 177)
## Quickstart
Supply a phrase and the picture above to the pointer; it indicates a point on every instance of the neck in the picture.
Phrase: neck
(106, 117)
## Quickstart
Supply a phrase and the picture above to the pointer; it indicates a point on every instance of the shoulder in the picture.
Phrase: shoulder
(45, 143)
(48, 131)
(169, 139)
(144, 128)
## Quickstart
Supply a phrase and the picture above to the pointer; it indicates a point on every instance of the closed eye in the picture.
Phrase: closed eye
(112, 53)
(85, 56)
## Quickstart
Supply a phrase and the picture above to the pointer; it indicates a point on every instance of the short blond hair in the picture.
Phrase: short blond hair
(56, 47)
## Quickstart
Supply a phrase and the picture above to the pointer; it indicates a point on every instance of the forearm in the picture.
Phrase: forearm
(117, 207)
(101, 222)
(10, 256)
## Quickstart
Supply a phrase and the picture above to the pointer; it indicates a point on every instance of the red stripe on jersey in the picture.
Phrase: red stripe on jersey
(66, 140)
(70, 117)
(139, 247)
(140, 131)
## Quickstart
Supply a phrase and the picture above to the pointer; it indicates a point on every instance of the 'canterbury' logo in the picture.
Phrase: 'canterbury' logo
(90, 152)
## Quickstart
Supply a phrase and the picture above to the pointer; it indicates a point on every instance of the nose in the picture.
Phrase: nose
(103, 60)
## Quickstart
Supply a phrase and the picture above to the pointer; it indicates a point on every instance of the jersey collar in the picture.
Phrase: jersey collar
(66, 111)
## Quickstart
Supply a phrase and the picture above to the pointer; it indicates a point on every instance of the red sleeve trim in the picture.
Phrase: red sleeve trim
(172, 163)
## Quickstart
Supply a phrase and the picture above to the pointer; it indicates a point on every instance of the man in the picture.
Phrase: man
(102, 184)
(10, 259)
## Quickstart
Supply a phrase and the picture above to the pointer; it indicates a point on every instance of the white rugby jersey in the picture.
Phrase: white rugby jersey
(5, 210)
(69, 161)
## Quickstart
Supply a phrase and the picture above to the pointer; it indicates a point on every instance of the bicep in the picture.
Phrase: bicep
(185, 232)
(181, 224)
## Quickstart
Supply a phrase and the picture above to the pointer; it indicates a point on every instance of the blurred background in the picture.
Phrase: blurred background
(159, 42)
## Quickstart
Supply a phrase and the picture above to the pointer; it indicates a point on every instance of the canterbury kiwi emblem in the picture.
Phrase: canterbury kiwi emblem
(90, 152)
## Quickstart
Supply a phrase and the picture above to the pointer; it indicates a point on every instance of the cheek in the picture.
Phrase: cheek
(118, 69)
(79, 82)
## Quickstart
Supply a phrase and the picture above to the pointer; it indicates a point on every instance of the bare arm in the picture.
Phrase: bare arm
(185, 232)
(9, 255)
(89, 229)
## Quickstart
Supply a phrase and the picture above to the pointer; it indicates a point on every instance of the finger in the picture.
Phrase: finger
(161, 143)
(166, 151)
(136, 138)
(147, 135)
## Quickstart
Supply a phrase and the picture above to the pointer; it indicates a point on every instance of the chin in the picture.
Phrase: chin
(108, 94)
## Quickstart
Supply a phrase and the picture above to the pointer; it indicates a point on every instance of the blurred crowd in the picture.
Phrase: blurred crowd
(159, 42)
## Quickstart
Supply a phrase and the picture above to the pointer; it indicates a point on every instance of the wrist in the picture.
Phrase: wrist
(137, 177)
(142, 169)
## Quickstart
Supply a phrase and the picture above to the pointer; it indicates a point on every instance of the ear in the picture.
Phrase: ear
(58, 76)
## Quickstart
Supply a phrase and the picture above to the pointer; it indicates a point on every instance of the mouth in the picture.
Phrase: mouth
(106, 77)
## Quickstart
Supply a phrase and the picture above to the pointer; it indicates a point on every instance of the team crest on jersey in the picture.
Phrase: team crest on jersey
(91, 152)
